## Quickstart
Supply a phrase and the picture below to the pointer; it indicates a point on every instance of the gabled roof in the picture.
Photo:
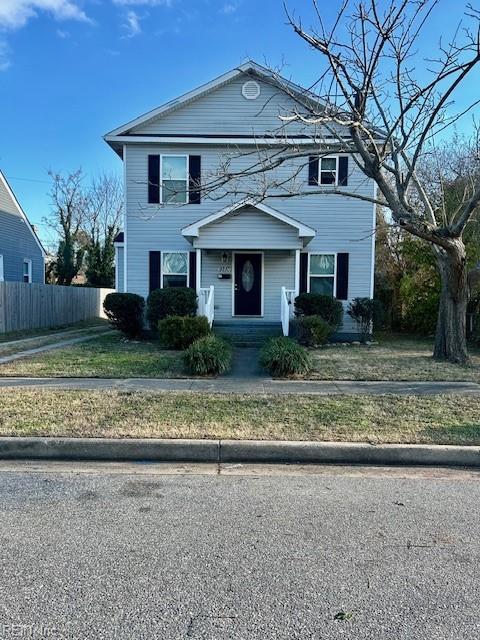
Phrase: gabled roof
(193, 230)
(5, 187)
(250, 67)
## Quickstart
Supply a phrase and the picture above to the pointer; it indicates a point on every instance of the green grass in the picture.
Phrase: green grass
(47, 331)
(104, 357)
(395, 357)
(451, 419)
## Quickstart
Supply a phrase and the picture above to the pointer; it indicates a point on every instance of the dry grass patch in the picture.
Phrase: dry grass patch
(405, 419)
(395, 357)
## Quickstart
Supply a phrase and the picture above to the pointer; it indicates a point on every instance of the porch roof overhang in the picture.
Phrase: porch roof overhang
(296, 236)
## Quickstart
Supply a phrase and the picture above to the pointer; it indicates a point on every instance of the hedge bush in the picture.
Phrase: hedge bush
(365, 312)
(178, 332)
(208, 356)
(315, 304)
(125, 312)
(172, 301)
(284, 357)
(312, 331)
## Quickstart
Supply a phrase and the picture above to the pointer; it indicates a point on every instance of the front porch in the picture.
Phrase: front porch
(248, 264)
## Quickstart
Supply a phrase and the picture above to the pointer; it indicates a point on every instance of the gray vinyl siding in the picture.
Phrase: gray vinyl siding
(278, 268)
(248, 229)
(225, 111)
(17, 243)
(119, 270)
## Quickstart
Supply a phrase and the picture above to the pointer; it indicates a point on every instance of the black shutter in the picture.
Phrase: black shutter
(192, 270)
(154, 179)
(313, 170)
(194, 179)
(343, 171)
(155, 270)
(342, 276)
(303, 272)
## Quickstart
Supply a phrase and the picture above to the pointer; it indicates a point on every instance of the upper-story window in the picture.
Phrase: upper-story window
(328, 170)
(322, 273)
(27, 270)
(174, 172)
(174, 269)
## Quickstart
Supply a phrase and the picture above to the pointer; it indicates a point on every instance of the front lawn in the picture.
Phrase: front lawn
(395, 357)
(451, 419)
(107, 356)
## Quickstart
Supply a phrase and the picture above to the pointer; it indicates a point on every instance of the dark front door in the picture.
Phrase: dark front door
(247, 285)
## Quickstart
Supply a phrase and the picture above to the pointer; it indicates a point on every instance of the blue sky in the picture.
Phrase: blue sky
(71, 70)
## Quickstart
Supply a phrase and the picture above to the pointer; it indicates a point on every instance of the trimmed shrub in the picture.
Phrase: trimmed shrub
(125, 312)
(178, 332)
(315, 304)
(312, 331)
(283, 357)
(365, 312)
(172, 301)
(208, 356)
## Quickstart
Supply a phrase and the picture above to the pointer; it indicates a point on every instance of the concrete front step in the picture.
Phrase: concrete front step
(247, 334)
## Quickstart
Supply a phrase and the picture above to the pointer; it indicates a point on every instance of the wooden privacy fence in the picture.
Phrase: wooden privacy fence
(32, 306)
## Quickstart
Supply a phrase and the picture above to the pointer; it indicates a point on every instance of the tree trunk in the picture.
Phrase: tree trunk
(450, 339)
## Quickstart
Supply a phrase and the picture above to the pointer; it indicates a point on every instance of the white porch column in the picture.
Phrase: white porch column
(297, 272)
(198, 283)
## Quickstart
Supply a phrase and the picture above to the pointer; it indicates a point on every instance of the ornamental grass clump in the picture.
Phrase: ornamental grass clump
(283, 357)
(208, 356)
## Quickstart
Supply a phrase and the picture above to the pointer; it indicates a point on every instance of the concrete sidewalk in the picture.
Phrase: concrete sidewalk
(256, 386)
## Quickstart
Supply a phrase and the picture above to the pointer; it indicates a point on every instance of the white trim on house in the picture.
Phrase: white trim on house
(320, 170)
(326, 275)
(374, 236)
(245, 68)
(27, 261)
(238, 142)
(262, 311)
(2, 270)
(174, 274)
(125, 250)
(22, 213)
(187, 186)
(193, 230)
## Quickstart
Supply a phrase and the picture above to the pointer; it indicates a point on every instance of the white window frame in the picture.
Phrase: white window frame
(2, 272)
(187, 192)
(27, 261)
(330, 184)
(175, 274)
(323, 275)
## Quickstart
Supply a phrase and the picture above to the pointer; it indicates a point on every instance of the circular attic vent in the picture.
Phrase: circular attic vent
(251, 90)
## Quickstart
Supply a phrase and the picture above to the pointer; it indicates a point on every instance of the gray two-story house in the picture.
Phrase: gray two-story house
(248, 248)
(22, 257)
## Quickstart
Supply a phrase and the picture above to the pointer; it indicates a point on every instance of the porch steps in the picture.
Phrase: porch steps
(247, 334)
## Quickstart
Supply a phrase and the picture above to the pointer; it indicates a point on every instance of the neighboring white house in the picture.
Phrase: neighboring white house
(247, 258)
(22, 257)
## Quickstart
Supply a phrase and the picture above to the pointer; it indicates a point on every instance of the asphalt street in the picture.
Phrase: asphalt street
(152, 551)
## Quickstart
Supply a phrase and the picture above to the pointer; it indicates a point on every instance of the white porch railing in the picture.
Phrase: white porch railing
(286, 309)
(205, 304)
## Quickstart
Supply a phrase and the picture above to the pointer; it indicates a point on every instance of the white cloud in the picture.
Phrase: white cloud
(229, 8)
(16, 13)
(132, 24)
(4, 57)
(62, 34)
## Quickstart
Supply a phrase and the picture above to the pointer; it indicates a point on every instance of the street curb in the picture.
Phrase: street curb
(166, 450)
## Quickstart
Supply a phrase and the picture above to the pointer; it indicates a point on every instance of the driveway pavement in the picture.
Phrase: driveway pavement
(105, 552)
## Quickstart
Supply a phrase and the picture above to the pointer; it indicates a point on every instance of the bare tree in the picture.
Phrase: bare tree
(369, 89)
(101, 225)
(69, 206)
